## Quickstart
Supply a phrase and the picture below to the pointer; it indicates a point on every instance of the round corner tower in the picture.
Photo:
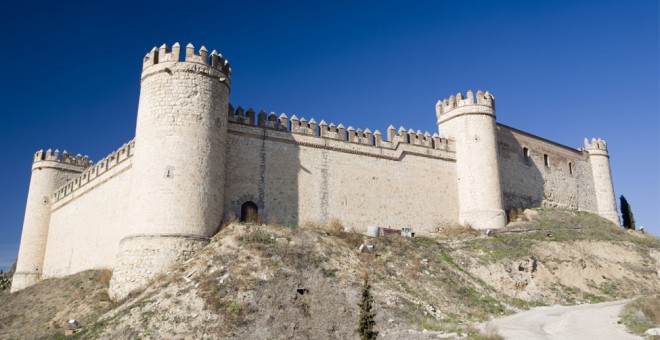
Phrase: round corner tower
(600, 168)
(176, 199)
(50, 171)
(471, 124)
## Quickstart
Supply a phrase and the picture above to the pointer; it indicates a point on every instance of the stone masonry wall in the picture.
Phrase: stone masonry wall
(295, 178)
(298, 177)
(47, 175)
(87, 223)
(527, 181)
(196, 161)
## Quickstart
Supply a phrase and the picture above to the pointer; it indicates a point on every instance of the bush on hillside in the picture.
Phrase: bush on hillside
(367, 323)
(5, 281)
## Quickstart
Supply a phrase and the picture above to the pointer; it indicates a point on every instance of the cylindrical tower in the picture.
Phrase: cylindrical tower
(600, 168)
(176, 198)
(472, 125)
(49, 172)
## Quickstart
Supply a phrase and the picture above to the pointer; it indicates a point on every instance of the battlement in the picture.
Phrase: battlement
(595, 144)
(64, 157)
(163, 54)
(449, 104)
(137, 212)
(93, 171)
(338, 132)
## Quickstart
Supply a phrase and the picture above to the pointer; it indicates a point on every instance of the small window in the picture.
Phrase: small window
(526, 157)
(546, 160)
(570, 168)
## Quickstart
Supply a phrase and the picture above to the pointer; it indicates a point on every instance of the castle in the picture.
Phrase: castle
(196, 161)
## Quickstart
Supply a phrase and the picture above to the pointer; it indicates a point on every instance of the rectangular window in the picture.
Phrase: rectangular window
(570, 168)
(546, 160)
(526, 157)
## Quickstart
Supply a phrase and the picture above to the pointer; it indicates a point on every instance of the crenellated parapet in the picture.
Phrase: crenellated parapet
(458, 105)
(339, 132)
(470, 121)
(50, 169)
(95, 170)
(200, 160)
(602, 175)
(64, 157)
(596, 146)
(181, 131)
(164, 54)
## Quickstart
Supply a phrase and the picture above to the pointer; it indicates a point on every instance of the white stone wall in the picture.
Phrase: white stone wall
(86, 227)
(178, 168)
(145, 257)
(46, 177)
(604, 190)
(180, 138)
(472, 126)
(528, 183)
(296, 178)
(157, 200)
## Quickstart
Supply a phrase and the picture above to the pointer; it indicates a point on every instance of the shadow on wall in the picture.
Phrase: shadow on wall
(520, 177)
(297, 171)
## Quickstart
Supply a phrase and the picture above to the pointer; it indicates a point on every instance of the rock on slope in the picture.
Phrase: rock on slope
(263, 282)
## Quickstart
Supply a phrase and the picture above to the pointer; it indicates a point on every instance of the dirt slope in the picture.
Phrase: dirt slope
(42, 311)
(274, 282)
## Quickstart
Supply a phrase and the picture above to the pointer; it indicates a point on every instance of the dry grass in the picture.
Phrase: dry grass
(312, 225)
(516, 215)
(42, 310)
(651, 310)
(251, 216)
(642, 314)
(246, 280)
(335, 227)
(491, 332)
(257, 235)
(351, 238)
(512, 215)
(457, 231)
(562, 226)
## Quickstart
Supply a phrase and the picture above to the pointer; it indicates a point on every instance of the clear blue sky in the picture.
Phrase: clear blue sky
(563, 70)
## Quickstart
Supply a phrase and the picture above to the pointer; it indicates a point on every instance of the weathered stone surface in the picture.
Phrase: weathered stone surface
(196, 161)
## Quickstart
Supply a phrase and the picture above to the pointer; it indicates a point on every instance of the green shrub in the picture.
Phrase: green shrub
(5, 281)
(367, 322)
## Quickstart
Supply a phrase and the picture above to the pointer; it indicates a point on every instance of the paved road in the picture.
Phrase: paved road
(595, 321)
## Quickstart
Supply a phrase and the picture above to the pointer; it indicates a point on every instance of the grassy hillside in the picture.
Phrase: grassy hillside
(263, 282)
(42, 311)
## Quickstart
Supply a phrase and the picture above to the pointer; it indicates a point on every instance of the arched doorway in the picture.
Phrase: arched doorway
(249, 212)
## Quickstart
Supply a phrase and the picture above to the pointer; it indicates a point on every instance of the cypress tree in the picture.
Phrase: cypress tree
(626, 214)
(367, 316)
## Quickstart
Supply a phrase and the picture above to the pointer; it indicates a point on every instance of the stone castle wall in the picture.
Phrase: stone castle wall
(470, 122)
(88, 217)
(296, 178)
(197, 161)
(528, 182)
(49, 171)
(302, 177)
